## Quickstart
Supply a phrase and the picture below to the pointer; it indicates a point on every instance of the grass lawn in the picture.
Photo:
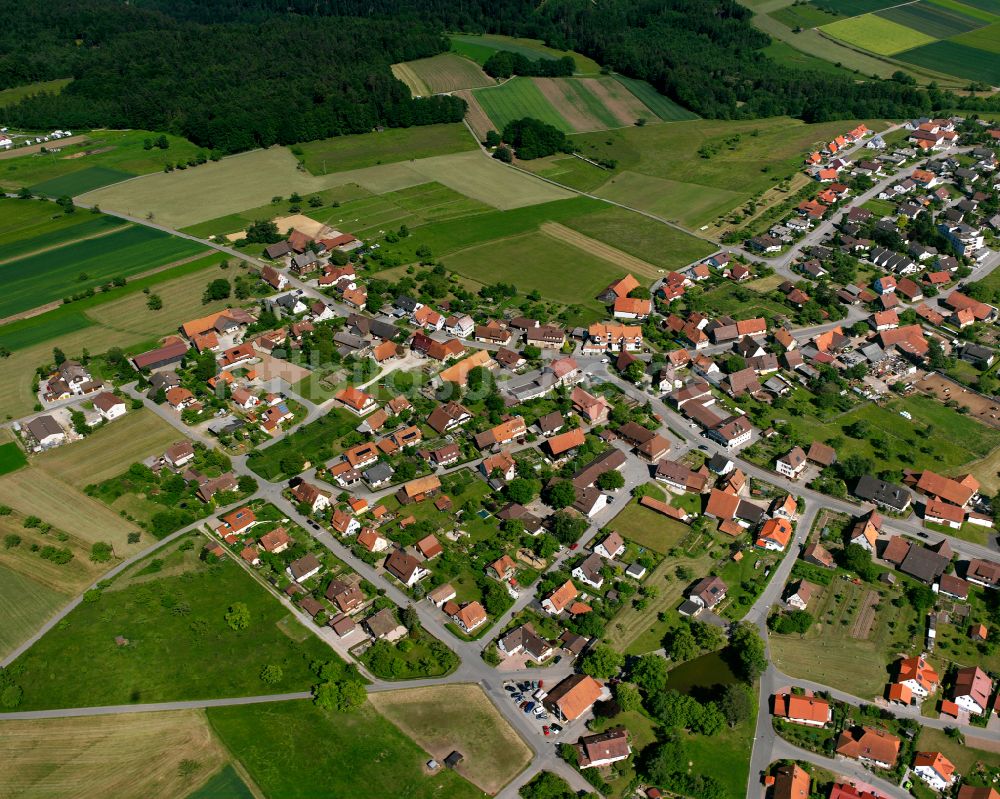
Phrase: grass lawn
(109, 451)
(880, 207)
(227, 784)
(390, 145)
(743, 159)
(25, 604)
(964, 756)
(12, 457)
(296, 749)
(830, 654)
(649, 528)
(642, 237)
(728, 299)
(128, 756)
(444, 718)
(122, 151)
(877, 34)
(16, 94)
(35, 280)
(726, 755)
(549, 260)
(218, 661)
(636, 632)
(317, 442)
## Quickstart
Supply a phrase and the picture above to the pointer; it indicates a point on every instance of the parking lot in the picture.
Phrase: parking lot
(528, 695)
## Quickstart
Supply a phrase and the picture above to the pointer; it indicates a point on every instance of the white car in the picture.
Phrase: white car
(539, 710)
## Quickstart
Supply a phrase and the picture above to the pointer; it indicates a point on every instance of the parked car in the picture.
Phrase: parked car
(546, 730)
(509, 688)
(574, 546)
(555, 728)
(539, 710)
(529, 708)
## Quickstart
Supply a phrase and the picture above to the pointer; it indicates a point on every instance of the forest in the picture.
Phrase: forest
(236, 74)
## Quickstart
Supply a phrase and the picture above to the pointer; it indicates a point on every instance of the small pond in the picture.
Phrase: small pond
(701, 673)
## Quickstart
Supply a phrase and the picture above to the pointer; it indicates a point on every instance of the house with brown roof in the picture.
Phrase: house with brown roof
(405, 568)
(792, 463)
(525, 639)
(791, 782)
(470, 616)
(308, 494)
(593, 409)
(419, 489)
(305, 567)
(383, 625)
(869, 745)
(611, 546)
(503, 568)
(972, 690)
(799, 594)
(594, 751)
(347, 596)
(708, 592)
(276, 541)
(821, 454)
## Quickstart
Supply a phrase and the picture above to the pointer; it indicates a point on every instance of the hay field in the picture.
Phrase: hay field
(181, 302)
(586, 244)
(448, 717)
(475, 116)
(441, 73)
(876, 34)
(68, 578)
(488, 181)
(109, 451)
(33, 491)
(24, 606)
(689, 204)
(128, 756)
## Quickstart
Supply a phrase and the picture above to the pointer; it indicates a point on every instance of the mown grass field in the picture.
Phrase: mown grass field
(441, 73)
(119, 150)
(829, 652)
(341, 153)
(445, 718)
(93, 177)
(130, 756)
(64, 578)
(25, 605)
(783, 53)
(296, 749)
(109, 451)
(803, 16)
(218, 661)
(712, 166)
(481, 47)
(35, 492)
(35, 280)
(661, 105)
(877, 34)
(550, 261)
(14, 95)
(30, 225)
(648, 528)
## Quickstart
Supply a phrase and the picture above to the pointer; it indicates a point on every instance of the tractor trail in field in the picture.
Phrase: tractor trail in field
(600, 249)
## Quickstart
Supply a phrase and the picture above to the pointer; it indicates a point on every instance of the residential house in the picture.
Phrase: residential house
(972, 690)
(869, 745)
(603, 749)
(109, 406)
(808, 710)
(308, 494)
(525, 639)
(611, 546)
(305, 567)
(935, 769)
(573, 697)
(792, 463)
(559, 599)
(405, 568)
(590, 571)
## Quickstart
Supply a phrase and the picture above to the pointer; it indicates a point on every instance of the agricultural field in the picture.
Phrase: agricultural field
(182, 300)
(25, 604)
(694, 171)
(28, 226)
(129, 756)
(853, 8)
(786, 55)
(445, 718)
(447, 72)
(958, 59)
(64, 578)
(987, 38)
(661, 105)
(568, 170)
(227, 784)
(547, 258)
(931, 19)
(480, 47)
(34, 492)
(295, 749)
(804, 15)
(109, 451)
(35, 280)
(573, 105)
(113, 155)
(342, 153)
(12, 457)
(16, 94)
(218, 661)
(857, 633)
(877, 34)
(586, 244)
(251, 180)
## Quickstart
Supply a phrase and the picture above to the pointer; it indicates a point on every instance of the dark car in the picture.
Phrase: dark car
(529, 707)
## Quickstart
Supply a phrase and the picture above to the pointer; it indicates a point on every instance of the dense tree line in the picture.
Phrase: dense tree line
(532, 138)
(236, 74)
(229, 87)
(503, 64)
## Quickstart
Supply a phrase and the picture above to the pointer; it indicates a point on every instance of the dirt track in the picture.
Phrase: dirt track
(601, 250)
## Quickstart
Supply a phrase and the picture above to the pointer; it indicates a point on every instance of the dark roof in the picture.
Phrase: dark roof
(882, 493)
(923, 564)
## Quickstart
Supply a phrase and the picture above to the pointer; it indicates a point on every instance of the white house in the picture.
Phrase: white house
(934, 769)
(791, 464)
(611, 547)
(109, 406)
(972, 691)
